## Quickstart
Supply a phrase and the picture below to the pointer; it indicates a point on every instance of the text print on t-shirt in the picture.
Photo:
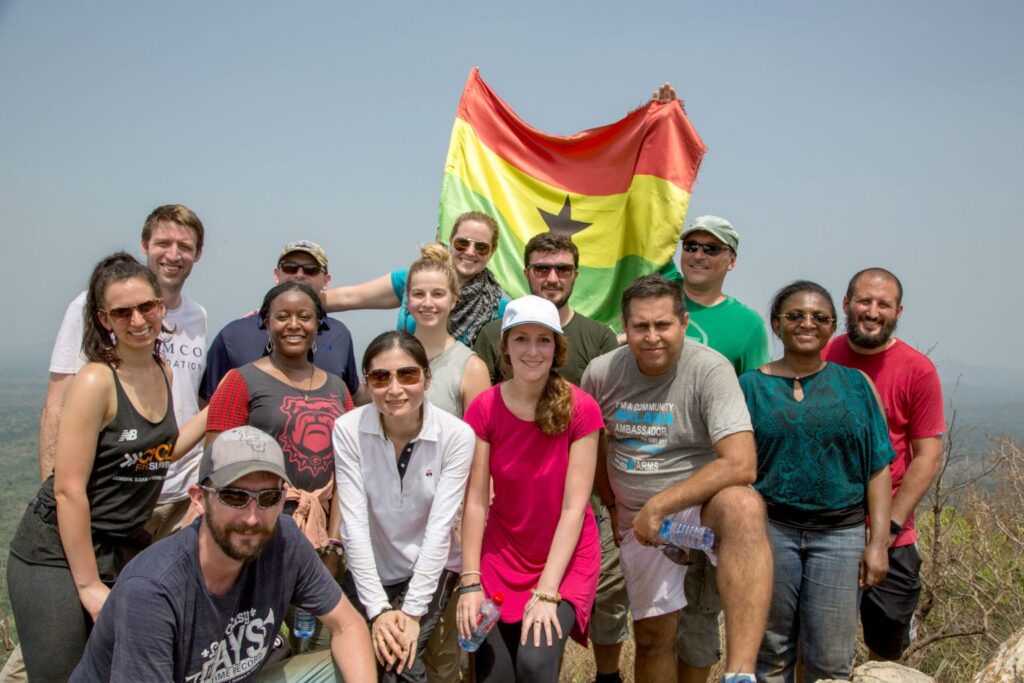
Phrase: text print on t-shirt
(641, 430)
(241, 651)
(156, 459)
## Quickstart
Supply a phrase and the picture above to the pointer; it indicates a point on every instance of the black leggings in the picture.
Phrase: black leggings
(501, 659)
(52, 624)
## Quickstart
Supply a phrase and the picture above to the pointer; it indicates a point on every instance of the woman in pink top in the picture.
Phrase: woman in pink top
(536, 541)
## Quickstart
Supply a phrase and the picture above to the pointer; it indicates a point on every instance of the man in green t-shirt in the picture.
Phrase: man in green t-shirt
(552, 265)
(737, 332)
(716, 319)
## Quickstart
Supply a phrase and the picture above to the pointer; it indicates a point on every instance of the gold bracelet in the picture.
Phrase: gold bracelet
(546, 597)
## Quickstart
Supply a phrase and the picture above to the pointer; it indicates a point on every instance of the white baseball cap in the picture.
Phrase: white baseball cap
(531, 309)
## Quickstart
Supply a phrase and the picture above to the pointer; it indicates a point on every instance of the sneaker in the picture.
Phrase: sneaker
(739, 678)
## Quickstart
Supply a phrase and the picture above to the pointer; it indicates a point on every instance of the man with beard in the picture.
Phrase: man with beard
(552, 265)
(912, 396)
(207, 603)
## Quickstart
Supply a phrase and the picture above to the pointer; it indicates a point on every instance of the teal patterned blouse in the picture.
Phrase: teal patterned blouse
(817, 454)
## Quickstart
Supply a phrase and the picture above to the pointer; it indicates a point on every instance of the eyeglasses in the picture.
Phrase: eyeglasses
(239, 498)
(794, 317)
(464, 243)
(291, 267)
(124, 313)
(380, 378)
(544, 269)
(709, 249)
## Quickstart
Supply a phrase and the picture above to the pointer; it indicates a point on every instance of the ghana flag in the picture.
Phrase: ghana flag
(620, 191)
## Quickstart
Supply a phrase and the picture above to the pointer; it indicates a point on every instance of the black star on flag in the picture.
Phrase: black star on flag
(562, 222)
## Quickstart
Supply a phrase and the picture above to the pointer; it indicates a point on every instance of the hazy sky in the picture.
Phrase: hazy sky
(840, 134)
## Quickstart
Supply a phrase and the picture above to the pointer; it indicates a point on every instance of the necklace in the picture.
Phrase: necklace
(798, 387)
(305, 394)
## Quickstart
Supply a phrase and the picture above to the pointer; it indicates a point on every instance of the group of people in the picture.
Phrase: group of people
(485, 447)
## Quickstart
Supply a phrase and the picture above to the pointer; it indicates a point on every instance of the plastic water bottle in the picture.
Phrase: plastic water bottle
(303, 624)
(684, 535)
(486, 618)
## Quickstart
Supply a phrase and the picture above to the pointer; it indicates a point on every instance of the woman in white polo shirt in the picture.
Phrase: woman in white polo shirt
(401, 468)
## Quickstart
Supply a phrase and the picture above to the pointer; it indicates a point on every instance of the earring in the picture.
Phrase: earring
(269, 348)
(113, 339)
(312, 349)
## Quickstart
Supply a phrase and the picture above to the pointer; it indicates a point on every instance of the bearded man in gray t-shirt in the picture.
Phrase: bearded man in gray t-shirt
(679, 443)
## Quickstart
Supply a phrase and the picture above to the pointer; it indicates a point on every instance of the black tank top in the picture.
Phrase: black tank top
(132, 457)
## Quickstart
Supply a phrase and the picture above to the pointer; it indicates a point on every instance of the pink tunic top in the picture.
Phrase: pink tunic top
(528, 470)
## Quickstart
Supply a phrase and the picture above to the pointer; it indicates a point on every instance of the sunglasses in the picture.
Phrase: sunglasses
(380, 378)
(542, 270)
(795, 317)
(709, 249)
(464, 243)
(291, 267)
(124, 313)
(239, 498)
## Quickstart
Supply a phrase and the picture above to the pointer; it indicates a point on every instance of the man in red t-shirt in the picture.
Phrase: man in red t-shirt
(912, 395)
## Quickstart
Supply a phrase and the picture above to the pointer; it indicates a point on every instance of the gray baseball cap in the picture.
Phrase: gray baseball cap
(720, 228)
(241, 451)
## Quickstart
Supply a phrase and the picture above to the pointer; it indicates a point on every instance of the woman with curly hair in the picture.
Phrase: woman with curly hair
(536, 541)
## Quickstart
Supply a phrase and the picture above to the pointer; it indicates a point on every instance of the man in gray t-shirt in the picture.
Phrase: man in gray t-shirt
(679, 442)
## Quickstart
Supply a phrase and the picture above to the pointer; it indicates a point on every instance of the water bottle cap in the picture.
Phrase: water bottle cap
(498, 598)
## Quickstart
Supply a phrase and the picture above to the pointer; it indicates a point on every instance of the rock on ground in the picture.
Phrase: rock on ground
(1008, 664)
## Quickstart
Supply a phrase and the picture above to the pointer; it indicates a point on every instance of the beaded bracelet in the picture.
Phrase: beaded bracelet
(543, 597)
(471, 588)
(547, 597)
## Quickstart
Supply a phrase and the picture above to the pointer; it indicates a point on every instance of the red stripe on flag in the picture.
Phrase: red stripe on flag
(656, 139)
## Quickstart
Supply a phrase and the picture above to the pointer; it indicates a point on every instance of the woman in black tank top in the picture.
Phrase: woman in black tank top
(117, 437)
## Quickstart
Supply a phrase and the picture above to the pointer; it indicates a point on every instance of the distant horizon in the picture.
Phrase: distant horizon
(24, 361)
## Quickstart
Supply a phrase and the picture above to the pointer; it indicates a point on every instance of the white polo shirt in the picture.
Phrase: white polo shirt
(400, 527)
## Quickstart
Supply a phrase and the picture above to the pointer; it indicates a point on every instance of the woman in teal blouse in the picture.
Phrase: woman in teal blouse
(823, 455)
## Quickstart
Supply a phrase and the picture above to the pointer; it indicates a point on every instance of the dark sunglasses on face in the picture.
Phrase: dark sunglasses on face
(239, 498)
(464, 243)
(124, 313)
(709, 249)
(544, 269)
(795, 317)
(380, 378)
(291, 267)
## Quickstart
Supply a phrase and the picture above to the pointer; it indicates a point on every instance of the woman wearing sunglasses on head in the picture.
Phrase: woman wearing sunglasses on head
(823, 455)
(118, 436)
(481, 299)
(286, 396)
(536, 542)
(401, 467)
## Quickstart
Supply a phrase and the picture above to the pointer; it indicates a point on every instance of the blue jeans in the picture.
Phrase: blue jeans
(814, 603)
